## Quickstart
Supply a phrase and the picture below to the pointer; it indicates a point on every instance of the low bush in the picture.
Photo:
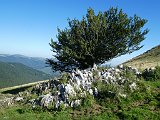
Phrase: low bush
(152, 74)
(87, 101)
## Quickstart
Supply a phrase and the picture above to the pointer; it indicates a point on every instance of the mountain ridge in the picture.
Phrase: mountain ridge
(37, 63)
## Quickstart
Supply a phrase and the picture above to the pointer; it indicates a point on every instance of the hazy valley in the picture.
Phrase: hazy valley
(19, 69)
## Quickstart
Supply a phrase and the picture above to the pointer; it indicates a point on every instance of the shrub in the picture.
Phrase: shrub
(152, 74)
(65, 77)
(87, 101)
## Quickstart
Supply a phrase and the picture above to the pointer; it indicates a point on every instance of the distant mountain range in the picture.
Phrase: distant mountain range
(20, 69)
(33, 62)
(150, 58)
(12, 74)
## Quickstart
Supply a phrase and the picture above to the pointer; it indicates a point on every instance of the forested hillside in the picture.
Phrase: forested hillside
(12, 74)
(33, 62)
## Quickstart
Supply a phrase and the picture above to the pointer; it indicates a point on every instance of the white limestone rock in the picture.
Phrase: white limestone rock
(95, 92)
(46, 99)
(18, 99)
(90, 91)
(70, 90)
(122, 95)
(133, 86)
(75, 103)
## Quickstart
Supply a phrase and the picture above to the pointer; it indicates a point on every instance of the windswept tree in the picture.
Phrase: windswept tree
(96, 39)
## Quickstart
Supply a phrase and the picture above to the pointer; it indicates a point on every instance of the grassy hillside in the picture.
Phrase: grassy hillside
(150, 58)
(12, 74)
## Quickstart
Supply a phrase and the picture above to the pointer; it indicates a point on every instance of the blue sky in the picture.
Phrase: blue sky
(26, 26)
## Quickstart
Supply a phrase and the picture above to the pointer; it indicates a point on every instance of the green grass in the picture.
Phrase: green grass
(23, 113)
(140, 105)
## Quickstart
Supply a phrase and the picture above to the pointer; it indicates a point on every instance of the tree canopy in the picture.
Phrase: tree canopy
(96, 39)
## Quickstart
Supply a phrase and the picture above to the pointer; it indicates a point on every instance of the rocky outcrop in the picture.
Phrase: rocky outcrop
(79, 84)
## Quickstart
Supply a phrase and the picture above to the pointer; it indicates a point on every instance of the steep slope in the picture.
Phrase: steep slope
(12, 74)
(150, 58)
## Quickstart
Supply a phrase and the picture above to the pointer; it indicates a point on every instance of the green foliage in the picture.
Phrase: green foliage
(129, 75)
(63, 115)
(108, 94)
(107, 90)
(96, 39)
(87, 101)
(137, 114)
(62, 107)
(152, 75)
(31, 96)
(64, 77)
(12, 74)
